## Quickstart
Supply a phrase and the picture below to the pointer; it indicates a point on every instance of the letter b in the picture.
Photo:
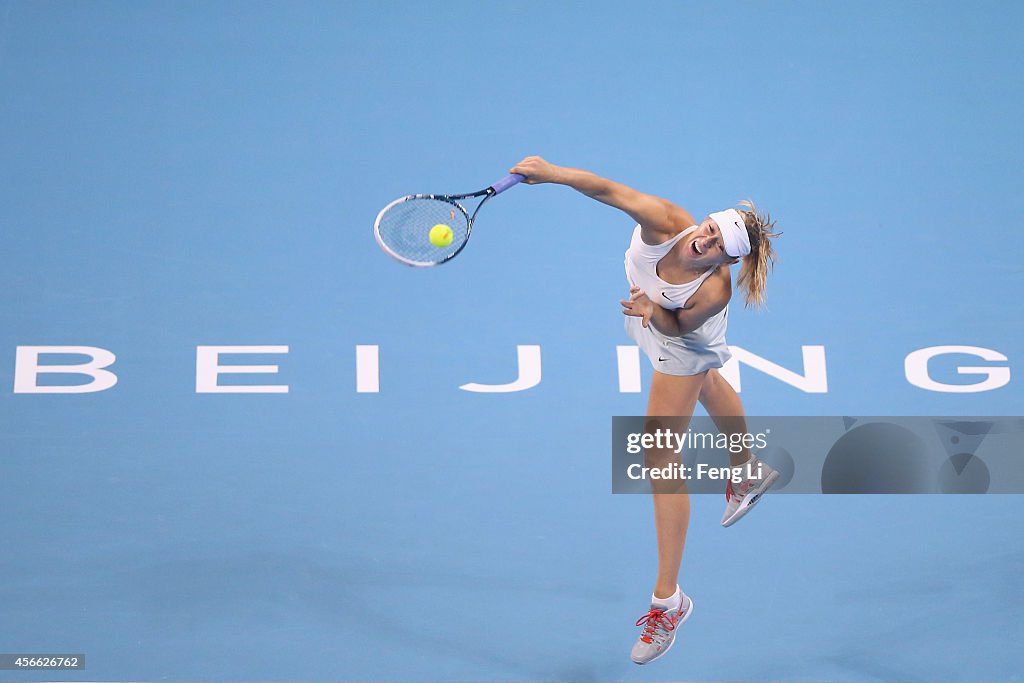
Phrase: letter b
(27, 370)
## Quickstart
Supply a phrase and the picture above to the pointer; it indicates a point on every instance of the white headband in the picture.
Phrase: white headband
(734, 233)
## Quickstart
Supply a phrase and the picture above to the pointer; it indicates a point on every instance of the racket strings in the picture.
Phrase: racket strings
(404, 229)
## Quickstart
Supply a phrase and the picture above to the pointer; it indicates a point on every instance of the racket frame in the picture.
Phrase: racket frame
(492, 191)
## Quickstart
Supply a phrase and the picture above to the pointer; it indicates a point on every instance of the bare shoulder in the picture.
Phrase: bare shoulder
(665, 222)
(679, 218)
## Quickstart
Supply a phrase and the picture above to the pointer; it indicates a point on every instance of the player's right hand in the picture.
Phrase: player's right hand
(536, 170)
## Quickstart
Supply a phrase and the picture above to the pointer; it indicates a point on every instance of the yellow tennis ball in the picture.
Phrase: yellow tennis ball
(441, 235)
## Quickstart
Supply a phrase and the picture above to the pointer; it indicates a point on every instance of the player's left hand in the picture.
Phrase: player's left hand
(638, 306)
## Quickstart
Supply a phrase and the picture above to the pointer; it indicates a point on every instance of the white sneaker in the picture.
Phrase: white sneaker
(660, 630)
(739, 499)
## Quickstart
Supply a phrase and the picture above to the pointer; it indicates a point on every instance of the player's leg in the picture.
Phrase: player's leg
(725, 408)
(672, 397)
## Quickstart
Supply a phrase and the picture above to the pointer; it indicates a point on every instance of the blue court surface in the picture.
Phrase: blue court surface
(181, 176)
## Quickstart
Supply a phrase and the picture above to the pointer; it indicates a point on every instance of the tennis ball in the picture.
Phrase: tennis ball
(441, 235)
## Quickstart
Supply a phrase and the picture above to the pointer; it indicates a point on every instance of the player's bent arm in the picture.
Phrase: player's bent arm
(708, 301)
(654, 214)
(665, 321)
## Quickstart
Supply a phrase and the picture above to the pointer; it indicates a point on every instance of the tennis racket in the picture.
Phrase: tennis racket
(403, 227)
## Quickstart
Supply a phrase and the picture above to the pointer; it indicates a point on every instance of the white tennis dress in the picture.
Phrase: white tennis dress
(692, 353)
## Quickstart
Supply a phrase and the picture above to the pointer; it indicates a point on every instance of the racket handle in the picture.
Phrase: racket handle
(507, 182)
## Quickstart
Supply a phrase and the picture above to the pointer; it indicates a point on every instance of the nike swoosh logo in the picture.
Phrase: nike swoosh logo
(665, 295)
(662, 359)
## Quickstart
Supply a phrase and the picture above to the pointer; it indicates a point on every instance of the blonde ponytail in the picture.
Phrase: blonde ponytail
(753, 277)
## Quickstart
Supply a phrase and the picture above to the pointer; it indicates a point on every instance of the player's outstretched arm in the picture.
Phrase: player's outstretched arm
(654, 214)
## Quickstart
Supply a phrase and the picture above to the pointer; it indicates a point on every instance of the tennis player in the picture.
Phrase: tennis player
(677, 312)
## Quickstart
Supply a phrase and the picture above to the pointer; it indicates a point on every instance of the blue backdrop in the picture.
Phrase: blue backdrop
(176, 175)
